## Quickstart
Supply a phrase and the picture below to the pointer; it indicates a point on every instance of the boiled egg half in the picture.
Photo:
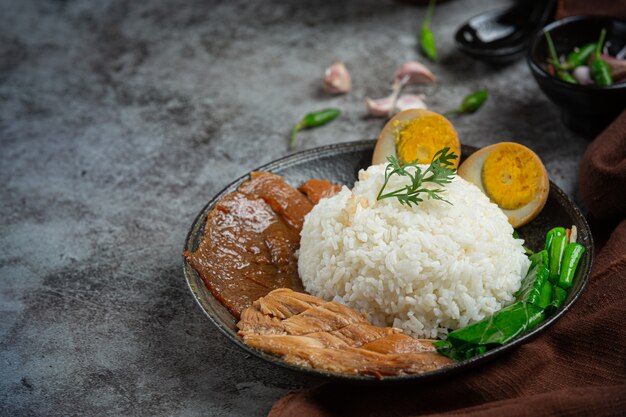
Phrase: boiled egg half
(512, 176)
(416, 135)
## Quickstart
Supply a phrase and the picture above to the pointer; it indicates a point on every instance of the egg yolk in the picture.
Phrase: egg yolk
(511, 176)
(421, 138)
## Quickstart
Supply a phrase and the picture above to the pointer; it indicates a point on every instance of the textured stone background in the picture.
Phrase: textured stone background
(119, 120)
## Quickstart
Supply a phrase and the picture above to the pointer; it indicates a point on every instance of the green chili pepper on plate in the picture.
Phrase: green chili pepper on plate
(427, 39)
(557, 231)
(556, 256)
(558, 296)
(571, 257)
(538, 258)
(600, 69)
(546, 295)
(314, 119)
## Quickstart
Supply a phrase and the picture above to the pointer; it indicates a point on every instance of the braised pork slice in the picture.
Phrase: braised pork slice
(246, 251)
(308, 331)
(286, 201)
(315, 190)
(250, 239)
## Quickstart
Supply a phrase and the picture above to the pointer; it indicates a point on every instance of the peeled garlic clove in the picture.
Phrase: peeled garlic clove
(412, 72)
(410, 101)
(582, 75)
(380, 107)
(337, 79)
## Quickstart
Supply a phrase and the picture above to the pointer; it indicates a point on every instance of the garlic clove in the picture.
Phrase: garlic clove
(380, 107)
(582, 75)
(412, 72)
(410, 101)
(337, 79)
(385, 106)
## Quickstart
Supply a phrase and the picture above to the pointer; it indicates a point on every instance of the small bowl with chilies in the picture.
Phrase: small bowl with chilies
(586, 109)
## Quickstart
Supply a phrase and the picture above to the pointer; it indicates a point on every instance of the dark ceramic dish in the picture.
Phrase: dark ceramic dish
(340, 163)
(502, 36)
(585, 109)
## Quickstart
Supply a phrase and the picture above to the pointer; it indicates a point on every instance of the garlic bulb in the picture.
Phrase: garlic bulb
(337, 79)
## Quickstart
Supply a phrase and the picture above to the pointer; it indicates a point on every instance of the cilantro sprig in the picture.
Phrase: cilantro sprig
(438, 172)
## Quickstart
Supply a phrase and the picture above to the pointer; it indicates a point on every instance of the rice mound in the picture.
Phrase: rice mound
(422, 269)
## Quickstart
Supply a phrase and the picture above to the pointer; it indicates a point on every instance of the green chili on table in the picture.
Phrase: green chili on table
(314, 119)
(427, 39)
(471, 103)
(573, 253)
(600, 69)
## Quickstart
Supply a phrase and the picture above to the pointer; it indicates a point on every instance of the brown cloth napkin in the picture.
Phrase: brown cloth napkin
(615, 8)
(575, 368)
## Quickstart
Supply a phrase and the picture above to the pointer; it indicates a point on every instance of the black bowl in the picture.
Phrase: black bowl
(340, 163)
(502, 36)
(585, 109)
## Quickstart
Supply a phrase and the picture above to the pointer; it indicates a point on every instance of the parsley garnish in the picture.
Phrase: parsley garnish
(438, 172)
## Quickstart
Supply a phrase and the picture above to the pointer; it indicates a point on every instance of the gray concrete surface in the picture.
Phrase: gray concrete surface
(118, 121)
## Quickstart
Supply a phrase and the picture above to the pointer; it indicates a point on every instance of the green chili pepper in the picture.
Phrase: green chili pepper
(558, 296)
(314, 119)
(546, 295)
(471, 103)
(601, 73)
(557, 231)
(559, 69)
(600, 69)
(566, 76)
(573, 253)
(579, 56)
(539, 258)
(554, 59)
(556, 256)
(427, 39)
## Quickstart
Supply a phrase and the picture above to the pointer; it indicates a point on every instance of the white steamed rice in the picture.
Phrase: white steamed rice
(422, 269)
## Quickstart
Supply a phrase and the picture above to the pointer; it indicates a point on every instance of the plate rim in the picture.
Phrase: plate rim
(346, 147)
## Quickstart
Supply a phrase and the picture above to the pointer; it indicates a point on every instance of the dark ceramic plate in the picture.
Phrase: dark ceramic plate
(340, 163)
